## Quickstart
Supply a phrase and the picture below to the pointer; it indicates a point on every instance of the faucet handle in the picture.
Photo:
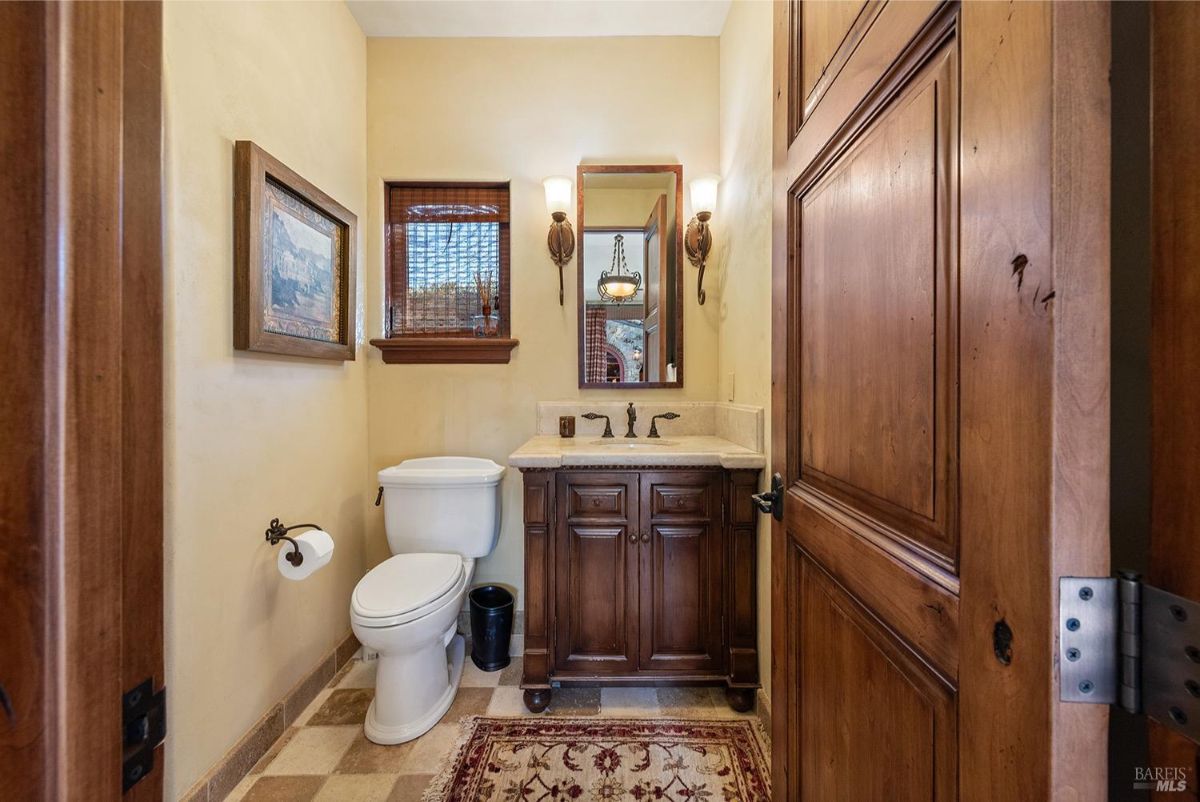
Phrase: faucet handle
(654, 422)
(597, 416)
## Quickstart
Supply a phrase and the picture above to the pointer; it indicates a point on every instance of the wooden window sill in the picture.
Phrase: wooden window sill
(446, 350)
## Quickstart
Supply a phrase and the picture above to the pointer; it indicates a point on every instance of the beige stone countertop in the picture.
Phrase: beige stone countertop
(552, 451)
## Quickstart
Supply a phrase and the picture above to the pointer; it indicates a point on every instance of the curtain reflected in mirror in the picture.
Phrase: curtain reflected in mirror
(629, 276)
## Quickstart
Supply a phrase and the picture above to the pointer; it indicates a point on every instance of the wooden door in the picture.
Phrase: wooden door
(940, 401)
(81, 411)
(596, 572)
(654, 249)
(1174, 563)
(681, 565)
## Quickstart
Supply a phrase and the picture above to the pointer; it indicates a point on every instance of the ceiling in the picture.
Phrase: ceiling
(512, 18)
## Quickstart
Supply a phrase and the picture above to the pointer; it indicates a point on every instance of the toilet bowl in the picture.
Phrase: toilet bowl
(406, 609)
(441, 513)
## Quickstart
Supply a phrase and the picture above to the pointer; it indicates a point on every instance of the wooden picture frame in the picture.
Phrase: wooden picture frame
(288, 297)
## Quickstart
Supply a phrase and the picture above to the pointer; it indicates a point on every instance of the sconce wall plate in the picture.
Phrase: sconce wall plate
(697, 242)
(561, 242)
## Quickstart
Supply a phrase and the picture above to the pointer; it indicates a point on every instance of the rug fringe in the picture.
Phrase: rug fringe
(439, 786)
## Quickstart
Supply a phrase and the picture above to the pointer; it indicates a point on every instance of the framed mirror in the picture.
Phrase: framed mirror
(630, 275)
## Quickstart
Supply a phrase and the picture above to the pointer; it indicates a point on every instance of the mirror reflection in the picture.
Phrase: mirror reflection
(630, 313)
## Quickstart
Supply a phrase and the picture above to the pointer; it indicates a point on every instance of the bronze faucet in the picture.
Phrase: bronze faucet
(607, 423)
(632, 415)
(654, 422)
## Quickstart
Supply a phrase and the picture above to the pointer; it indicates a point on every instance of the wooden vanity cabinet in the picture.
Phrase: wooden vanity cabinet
(640, 576)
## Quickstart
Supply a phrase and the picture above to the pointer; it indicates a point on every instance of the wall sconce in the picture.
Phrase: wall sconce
(561, 238)
(698, 240)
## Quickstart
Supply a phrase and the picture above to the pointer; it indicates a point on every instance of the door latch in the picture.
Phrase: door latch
(144, 720)
(1124, 642)
(771, 501)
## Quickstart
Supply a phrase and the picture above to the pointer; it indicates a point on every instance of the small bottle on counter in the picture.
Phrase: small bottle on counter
(566, 426)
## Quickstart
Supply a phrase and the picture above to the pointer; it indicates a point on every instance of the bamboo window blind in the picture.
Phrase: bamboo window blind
(443, 240)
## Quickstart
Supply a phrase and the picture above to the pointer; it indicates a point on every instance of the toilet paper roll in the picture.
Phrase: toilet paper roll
(317, 548)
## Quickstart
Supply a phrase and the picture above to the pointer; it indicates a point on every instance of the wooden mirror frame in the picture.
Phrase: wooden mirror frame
(677, 297)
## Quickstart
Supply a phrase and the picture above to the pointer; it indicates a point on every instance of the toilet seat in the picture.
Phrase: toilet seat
(406, 587)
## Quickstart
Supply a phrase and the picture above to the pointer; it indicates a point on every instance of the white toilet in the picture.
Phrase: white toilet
(441, 513)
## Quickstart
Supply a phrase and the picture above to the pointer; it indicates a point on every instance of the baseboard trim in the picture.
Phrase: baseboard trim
(238, 761)
(764, 713)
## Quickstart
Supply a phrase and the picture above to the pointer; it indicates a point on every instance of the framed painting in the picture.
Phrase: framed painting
(293, 262)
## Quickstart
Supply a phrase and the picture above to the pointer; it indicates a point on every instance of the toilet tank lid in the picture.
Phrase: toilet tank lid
(441, 472)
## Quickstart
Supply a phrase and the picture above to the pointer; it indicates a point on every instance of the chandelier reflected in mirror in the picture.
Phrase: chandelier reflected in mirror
(618, 284)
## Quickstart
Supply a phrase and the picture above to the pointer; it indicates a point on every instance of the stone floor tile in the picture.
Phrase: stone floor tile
(365, 757)
(511, 675)
(410, 787)
(508, 702)
(313, 750)
(361, 674)
(686, 702)
(629, 702)
(283, 789)
(475, 677)
(356, 788)
(344, 706)
(430, 751)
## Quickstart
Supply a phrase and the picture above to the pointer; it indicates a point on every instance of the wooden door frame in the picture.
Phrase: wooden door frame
(1173, 564)
(1018, 740)
(81, 530)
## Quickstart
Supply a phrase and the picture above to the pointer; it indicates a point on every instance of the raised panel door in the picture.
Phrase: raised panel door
(596, 573)
(682, 562)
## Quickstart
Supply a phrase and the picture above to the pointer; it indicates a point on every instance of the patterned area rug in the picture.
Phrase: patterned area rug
(606, 759)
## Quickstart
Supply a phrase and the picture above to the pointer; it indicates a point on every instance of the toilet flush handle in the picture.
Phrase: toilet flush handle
(379, 496)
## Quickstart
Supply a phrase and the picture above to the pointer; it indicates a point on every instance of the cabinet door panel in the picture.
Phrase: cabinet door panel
(596, 581)
(597, 501)
(680, 582)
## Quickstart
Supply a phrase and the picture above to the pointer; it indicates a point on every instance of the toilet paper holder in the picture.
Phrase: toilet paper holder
(277, 532)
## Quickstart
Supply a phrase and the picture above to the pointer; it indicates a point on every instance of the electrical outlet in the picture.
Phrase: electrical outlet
(730, 383)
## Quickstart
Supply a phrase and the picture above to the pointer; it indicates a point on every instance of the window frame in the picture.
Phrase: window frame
(448, 347)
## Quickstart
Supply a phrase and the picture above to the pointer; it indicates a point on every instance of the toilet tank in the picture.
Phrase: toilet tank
(442, 504)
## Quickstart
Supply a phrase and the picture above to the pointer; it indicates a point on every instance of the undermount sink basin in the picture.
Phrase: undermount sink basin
(626, 446)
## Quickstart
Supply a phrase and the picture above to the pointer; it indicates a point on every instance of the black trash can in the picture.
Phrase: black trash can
(491, 626)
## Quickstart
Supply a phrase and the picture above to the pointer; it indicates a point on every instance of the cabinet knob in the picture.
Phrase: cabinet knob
(645, 537)
(633, 537)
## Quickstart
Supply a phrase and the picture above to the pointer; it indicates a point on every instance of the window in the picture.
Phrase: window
(447, 250)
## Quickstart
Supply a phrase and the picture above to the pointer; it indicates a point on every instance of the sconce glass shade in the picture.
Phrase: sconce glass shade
(558, 194)
(704, 193)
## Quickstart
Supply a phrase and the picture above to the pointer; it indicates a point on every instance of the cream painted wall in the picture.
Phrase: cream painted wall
(742, 234)
(521, 110)
(250, 437)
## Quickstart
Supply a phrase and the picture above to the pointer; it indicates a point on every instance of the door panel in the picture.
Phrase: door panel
(654, 254)
(876, 316)
(681, 559)
(680, 582)
(596, 563)
(823, 27)
(597, 502)
(934, 187)
(903, 709)
(667, 500)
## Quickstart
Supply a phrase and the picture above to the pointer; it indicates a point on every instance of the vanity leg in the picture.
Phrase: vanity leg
(740, 699)
(537, 699)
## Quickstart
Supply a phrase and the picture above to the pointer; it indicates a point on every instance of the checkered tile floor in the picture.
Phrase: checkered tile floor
(325, 755)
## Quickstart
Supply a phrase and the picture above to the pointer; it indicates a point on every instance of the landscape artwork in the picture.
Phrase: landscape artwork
(302, 251)
(293, 262)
